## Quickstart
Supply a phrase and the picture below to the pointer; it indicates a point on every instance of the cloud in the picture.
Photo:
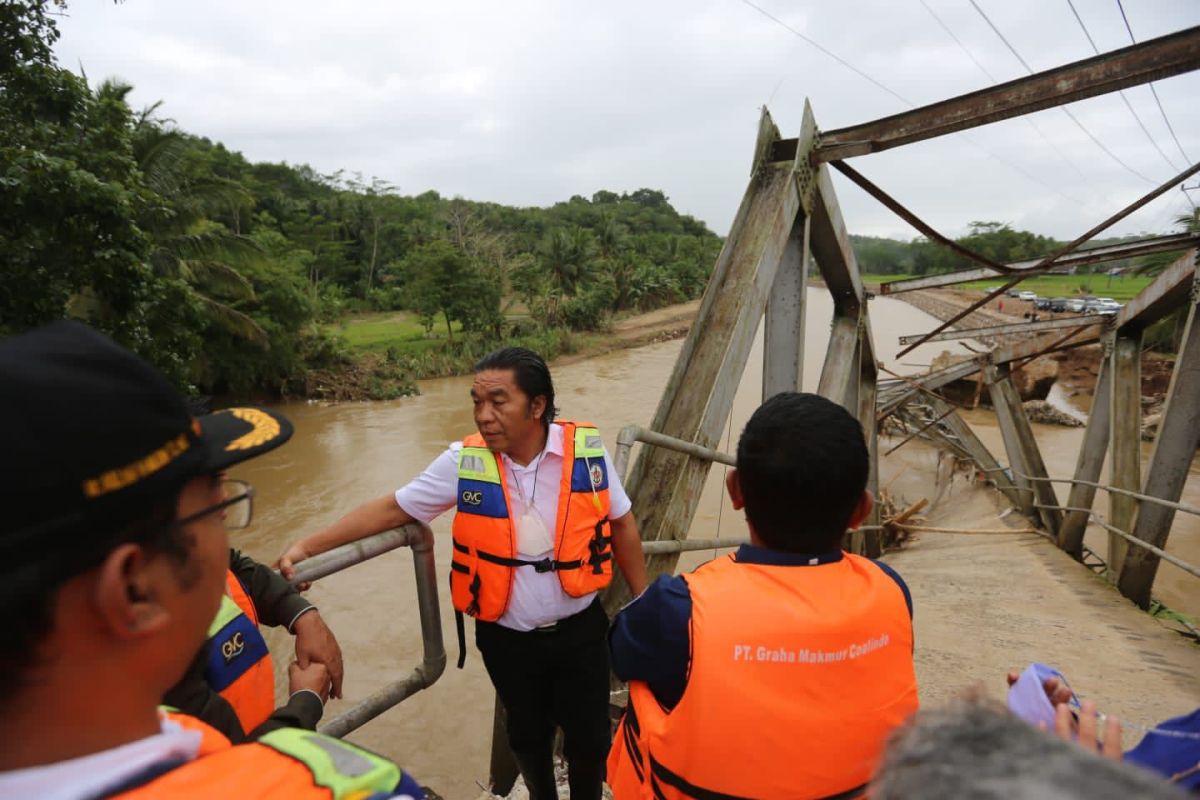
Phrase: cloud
(529, 103)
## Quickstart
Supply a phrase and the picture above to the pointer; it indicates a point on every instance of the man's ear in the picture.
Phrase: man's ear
(733, 485)
(537, 407)
(129, 593)
(862, 510)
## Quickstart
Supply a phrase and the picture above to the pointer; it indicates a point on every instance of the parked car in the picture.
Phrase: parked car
(1106, 305)
(1030, 296)
(1076, 304)
(1058, 304)
(1042, 304)
(1012, 293)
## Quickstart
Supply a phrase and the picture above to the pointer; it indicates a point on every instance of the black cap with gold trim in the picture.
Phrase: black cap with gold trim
(90, 431)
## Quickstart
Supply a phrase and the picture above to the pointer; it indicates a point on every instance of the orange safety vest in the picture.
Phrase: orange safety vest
(285, 763)
(798, 674)
(239, 664)
(485, 538)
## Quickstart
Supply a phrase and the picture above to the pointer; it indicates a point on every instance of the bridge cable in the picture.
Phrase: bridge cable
(1124, 99)
(1064, 109)
(1010, 164)
(1154, 91)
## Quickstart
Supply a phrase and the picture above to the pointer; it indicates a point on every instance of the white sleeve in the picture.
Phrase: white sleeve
(619, 502)
(435, 490)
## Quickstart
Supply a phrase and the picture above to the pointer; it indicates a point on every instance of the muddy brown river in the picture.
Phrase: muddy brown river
(342, 455)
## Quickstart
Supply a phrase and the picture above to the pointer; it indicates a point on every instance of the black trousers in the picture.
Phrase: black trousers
(549, 678)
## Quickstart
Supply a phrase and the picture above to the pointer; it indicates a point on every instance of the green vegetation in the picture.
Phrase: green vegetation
(235, 278)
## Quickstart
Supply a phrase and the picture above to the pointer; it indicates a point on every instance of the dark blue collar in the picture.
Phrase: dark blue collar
(753, 554)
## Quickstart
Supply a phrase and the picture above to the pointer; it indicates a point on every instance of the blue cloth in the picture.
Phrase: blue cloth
(1170, 755)
(650, 637)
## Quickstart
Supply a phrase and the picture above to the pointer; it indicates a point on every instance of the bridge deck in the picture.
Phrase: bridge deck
(991, 602)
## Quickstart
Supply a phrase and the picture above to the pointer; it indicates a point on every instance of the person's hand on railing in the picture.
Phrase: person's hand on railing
(286, 564)
(315, 643)
(313, 678)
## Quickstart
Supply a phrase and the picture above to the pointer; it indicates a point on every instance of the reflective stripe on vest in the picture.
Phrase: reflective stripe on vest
(284, 763)
(239, 664)
(797, 676)
(485, 553)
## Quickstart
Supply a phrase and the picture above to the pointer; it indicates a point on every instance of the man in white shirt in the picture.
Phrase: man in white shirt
(535, 498)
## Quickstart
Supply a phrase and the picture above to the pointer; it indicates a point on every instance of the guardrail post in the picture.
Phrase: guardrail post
(1091, 459)
(1125, 441)
(1023, 453)
(1174, 448)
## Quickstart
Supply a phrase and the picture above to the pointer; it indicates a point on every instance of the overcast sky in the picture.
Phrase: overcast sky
(529, 103)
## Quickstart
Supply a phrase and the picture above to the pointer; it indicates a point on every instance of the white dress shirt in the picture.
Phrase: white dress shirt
(537, 597)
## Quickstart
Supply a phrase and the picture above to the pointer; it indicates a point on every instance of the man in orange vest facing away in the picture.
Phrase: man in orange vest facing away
(779, 670)
(231, 683)
(540, 518)
(114, 554)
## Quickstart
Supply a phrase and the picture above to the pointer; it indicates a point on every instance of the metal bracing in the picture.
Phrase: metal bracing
(1095, 255)
(1091, 460)
(1167, 472)
(783, 323)
(976, 449)
(1125, 439)
(1065, 250)
(1023, 452)
(1011, 329)
(1148, 61)
(1169, 291)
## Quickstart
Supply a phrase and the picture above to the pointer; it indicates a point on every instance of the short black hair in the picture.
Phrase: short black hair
(531, 373)
(802, 465)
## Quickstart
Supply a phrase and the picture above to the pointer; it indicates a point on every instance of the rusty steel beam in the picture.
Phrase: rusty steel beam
(912, 219)
(1169, 291)
(1095, 255)
(1141, 63)
(1065, 250)
(1011, 328)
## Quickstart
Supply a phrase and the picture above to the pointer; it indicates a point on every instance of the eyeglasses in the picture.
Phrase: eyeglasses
(236, 509)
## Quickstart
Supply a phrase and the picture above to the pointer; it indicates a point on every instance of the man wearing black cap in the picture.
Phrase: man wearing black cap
(114, 552)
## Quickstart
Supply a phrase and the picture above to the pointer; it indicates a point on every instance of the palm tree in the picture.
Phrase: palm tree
(186, 244)
(566, 256)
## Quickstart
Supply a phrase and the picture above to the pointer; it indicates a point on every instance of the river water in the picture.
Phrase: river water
(342, 455)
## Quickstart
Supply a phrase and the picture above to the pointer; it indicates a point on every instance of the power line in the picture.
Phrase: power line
(907, 102)
(993, 79)
(1154, 91)
(1064, 109)
(1124, 99)
(827, 52)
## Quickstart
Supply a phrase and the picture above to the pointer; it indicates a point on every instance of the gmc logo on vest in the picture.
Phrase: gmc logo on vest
(232, 647)
(472, 498)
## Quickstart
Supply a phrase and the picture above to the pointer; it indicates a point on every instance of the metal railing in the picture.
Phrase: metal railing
(636, 433)
(433, 662)
(1133, 540)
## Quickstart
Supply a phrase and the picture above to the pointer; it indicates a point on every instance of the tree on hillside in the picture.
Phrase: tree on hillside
(70, 190)
(441, 279)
